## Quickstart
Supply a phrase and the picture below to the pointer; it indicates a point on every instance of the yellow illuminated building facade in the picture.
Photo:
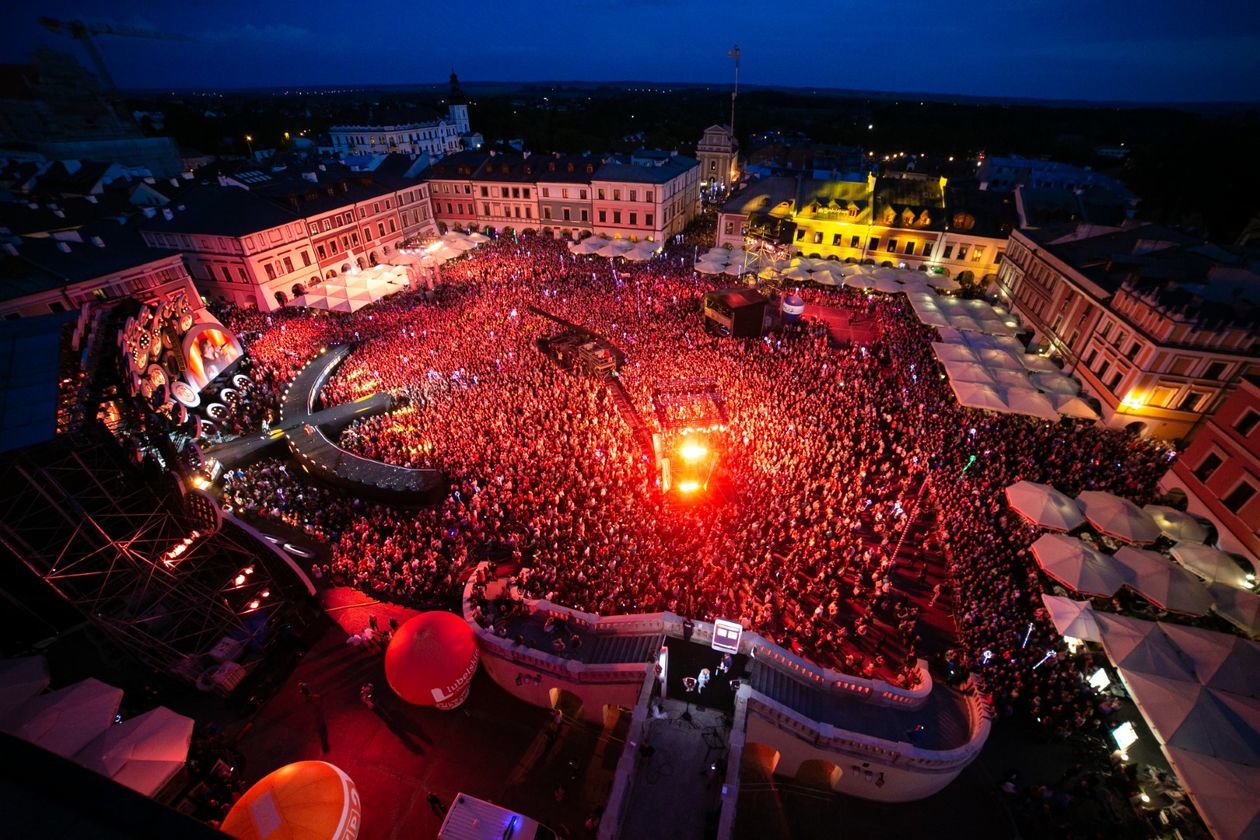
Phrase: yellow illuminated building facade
(900, 220)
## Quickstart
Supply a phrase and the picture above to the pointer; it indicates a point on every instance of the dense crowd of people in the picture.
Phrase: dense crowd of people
(830, 452)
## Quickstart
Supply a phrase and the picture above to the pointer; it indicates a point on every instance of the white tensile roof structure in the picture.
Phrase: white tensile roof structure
(143, 753)
(66, 720)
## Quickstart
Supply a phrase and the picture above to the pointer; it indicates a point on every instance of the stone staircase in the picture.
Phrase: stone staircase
(613, 648)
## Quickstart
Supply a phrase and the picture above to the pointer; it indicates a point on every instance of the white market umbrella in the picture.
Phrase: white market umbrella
(888, 286)
(1056, 383)
(143, 753)
(997, 357)
(589, 245)
(1237, 606)
(1117, 517)
(66, 720)
(1024, 400)
(1012, 380)
(946, 351)
(1072, 618)
(943, 283)
(978, 395)
(1073, 407)
(1044, 506)
(1077, 566)
(20, 680)
(479, 238)
(614, 248)
(1221, 661)
(861, 281)
(1211, 564)
(1177, 525)
(1191, 717)
(1163, 582)
(798, 274)
(1037, 363)
(846, 269)
(967, 372)
(709, 268)
(718, 255)
(1141, 647)
(734, 269)
(1223, 792)
(885, 273)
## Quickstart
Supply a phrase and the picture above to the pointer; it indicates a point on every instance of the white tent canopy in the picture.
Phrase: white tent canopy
(143, 753)
(1072, 618)
(1077, 566)
(1177, 525)
(20, 680)
(1044, 506)
(351, 292)
(1164, 583)
(1211, 564)
(66, 720)
(1117, 517)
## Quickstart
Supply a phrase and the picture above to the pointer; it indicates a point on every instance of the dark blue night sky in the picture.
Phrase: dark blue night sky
(1154, 50)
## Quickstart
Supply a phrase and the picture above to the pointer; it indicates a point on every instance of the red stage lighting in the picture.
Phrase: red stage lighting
(688, 486)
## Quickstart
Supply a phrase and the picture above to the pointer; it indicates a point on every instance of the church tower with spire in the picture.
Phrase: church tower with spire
(457, 106)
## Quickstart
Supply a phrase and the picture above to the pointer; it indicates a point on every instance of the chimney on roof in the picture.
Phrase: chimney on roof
(63, 247)
(90, 198)
(524, 154)
(223, 181)
(187, 176)
(311, 176)
(323, 168)
(59, 214)
(97, 241)
(167, 214)
(149, 212)
(181, 208)
(34, 205)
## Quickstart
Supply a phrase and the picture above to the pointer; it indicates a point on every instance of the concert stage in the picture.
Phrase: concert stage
(686, 659)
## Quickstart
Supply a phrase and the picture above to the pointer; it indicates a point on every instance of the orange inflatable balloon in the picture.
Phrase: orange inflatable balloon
(431, 660)
(306, 800)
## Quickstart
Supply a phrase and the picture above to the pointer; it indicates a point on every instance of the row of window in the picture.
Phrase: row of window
(1237, 498)
(632, 195)
(566, 216)
(280, 267)
(564, 193)
(516, 192)
(616, 218)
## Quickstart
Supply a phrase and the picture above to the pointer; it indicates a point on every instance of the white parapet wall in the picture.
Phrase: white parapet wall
(789, 743)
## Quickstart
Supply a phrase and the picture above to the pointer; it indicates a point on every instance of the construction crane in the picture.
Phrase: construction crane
(84, 32)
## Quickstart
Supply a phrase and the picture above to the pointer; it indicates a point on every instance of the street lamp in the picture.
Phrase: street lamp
(249, 142)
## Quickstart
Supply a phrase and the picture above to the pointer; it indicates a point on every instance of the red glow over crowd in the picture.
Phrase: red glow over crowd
(822, 463)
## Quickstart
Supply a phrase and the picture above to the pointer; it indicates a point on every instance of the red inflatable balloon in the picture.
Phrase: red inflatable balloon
(432, 659)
